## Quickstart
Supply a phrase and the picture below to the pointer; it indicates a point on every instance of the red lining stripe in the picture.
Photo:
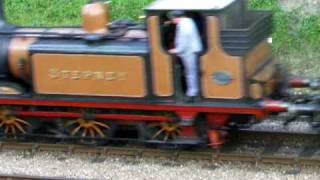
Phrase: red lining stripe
(122, 117)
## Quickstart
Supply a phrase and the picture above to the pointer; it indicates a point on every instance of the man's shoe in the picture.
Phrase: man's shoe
(189, 99)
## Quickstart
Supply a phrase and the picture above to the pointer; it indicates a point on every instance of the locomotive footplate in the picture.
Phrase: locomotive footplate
(232, 107)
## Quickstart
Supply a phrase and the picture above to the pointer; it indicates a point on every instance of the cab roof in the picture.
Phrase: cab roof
(189, 5)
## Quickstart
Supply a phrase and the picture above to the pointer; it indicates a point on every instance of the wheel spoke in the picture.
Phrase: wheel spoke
(170, 130)
(11, 124)
(158, 133)
(101, 124)
(20, 128)
(98, 131)
(178, 131)
(167, 136)
(92, 134)
(13, 130)
(84, 133)
(75, 130)
(89, 128)
(22, 121)
(6, 130)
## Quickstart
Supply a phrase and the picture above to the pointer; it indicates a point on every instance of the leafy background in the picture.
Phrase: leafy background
(296, 37)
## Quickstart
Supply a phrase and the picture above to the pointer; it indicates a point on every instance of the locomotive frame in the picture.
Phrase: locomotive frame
(134, 85)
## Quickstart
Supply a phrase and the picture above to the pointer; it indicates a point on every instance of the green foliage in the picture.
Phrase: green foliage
(43, 12)
(65, 12)
(294, 33)
(296, 37)
(310, 30)
(264, 4)
(128, 9)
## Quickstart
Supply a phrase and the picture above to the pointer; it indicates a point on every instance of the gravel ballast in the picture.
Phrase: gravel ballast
(307, 7)
(83, 166)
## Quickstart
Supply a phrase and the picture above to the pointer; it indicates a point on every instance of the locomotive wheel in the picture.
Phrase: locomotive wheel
(11, 125)
(164, 131)
(90, 131)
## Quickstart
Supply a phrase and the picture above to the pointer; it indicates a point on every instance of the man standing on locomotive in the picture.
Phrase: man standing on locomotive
(187, 46)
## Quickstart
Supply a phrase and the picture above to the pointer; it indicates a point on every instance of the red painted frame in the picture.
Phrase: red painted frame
(181, 110)
(122, 117)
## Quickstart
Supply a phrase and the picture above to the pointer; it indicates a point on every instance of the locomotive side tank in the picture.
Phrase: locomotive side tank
(80, 66)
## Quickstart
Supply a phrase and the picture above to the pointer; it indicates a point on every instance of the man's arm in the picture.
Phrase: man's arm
(182, 39)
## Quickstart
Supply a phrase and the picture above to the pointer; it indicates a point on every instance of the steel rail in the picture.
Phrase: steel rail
(29, 177)
(265, 155)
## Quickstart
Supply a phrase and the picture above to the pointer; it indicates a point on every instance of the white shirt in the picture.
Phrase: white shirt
(187, 38)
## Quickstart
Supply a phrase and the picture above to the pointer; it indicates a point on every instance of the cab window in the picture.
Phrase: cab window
(168, 29)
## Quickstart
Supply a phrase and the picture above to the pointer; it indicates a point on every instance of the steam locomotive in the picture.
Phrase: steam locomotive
(112, 80)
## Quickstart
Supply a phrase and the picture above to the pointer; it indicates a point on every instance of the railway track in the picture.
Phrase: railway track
(248, 146)
(27, 177)
(276, 148)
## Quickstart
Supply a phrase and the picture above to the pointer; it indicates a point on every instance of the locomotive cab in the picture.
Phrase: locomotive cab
(236, 51)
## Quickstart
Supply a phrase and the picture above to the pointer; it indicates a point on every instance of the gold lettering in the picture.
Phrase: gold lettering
(99, 75)
(110, 76)
(65, 74)
(54, 73)
(87, 75)
(75, 75)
